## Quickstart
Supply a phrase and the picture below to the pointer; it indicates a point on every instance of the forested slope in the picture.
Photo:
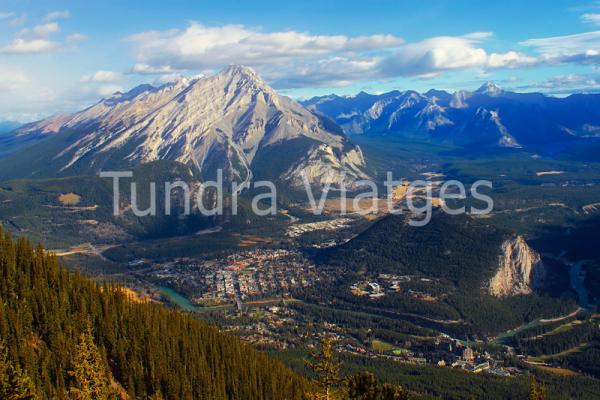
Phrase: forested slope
(51, 320)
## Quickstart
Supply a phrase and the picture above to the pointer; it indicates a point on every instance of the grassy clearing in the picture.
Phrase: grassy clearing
(557, 371)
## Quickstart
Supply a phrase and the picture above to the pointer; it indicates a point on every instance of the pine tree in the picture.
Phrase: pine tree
(327, 369)
(366, 387)
(14, 383)
(156, 396)
(363, 387)
(393, 392)
(90, 378)
(537, 391)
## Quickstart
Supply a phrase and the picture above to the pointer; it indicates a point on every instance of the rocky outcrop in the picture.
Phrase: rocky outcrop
(520, 269)
(324, 166)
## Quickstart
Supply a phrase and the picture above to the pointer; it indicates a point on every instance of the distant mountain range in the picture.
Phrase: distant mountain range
(489, 117)
(231, 121)
(236, 122)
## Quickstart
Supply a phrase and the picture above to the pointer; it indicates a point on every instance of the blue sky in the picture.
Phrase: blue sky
(61, 56)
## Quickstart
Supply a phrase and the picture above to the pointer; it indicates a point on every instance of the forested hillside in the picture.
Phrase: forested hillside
(451, 260)
(63, 336)
(456, 248)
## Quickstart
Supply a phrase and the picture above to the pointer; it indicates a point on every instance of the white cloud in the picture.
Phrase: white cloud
(102, 77)
(328, 72)
(567, 44)
(581, 48)
(202, 47)
(22, 46)
(425, 59)
(107, 90)
(18, 20)
(46, 29)
(7, 15)
(11, 79)
(478, 35)
(294, 59)
(167, 78)
(36, 39)
(39, 31)
(141, 68)
(444, 53)
(101, 83)
(510, 59)
(591, 18)
(566, 84)
(434, 55)
(76, 38)
(54, 15)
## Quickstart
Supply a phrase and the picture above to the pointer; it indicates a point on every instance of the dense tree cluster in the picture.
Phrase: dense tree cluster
(455, 248)
(365, 386)
(66, 336)
(14, 383)
(587, 360)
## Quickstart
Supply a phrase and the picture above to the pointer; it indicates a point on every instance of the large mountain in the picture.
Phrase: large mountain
(231, 121)
(488, 117)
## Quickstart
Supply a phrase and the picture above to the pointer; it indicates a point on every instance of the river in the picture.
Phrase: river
(177, 298)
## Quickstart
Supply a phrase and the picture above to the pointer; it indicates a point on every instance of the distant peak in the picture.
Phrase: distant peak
(489, 88)
(433, 92)
(234, 69)
(136, 91)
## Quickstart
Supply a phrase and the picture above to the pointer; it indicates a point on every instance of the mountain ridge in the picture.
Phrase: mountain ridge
(218, 122)
(489, 117)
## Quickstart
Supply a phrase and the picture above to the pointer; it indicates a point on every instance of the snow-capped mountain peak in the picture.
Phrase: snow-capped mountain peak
(490, 89)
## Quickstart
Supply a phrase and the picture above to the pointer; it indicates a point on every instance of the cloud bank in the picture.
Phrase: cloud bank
(298, 59)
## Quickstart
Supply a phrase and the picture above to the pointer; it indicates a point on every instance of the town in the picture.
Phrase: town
(237, 277)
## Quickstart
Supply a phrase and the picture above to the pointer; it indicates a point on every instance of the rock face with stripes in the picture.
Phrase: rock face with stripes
(520, 269)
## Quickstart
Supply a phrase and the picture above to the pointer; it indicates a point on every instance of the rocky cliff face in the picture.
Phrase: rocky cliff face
(323, 166)
(520, 269)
